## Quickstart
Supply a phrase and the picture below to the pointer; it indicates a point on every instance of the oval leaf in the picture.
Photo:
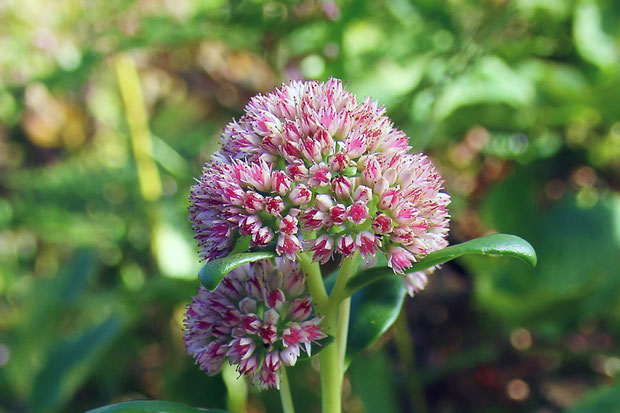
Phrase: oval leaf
(373, 310)
(150, 406)
(496, 244)
(213, 272)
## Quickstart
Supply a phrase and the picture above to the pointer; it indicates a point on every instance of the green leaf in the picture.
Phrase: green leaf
(213, 272)
(496, 244)
(606, 399)
(373, 380)
(578, 263)
(591, 41)
(374, 309)
(151, 406)
(70, 363)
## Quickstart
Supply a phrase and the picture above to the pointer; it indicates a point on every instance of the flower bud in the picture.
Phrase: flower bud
(323, 248)
(338, 162)
(346, 245)
(288, 246)
(382, 224)
(300, 195)
(274, 205)
(357, 213)
(262, 237)
(323, 202)
(313, 219)
(280, 183)
(319, 175)
(341, 185)
(288, 225)
(362, 193)
(338, 214)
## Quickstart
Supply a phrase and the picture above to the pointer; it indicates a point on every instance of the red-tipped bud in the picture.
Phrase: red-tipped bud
(300, 195)
(382, 224)
(319, 175)
(341, 185)
(253, 202)
(362, 193)
(323, 248)
(339, 161)
(280, 182)
(338, 214)
(323, 202)
(357, 213)
(346, 245)
(288, 225)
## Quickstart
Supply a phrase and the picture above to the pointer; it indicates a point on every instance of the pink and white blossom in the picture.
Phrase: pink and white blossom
(312, 170)
(258, 317)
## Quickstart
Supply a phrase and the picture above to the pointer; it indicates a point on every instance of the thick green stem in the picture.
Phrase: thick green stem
(336, 323)
(285, 393)
(314, 281)
(347, 269)
(335, 314)
(331, 377)
(343, 330)
(237, 390)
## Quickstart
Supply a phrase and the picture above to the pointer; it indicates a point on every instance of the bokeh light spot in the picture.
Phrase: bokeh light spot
(518, 390)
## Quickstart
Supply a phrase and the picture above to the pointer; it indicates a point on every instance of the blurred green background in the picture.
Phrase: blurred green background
(108, 108)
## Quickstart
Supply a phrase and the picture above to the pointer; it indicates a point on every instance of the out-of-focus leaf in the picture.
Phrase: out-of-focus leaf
(490, 81)
(44, 310)
(496, 244)
(69, 364)
(151, 406)
(168, 158)
(590, 40)
(373, 310)
(175, 256)
(372, 379)
(389, 80)
(213, 272)
(577, 246)
(601, 400)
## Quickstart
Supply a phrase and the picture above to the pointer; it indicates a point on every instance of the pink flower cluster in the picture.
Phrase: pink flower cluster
(258, 317)
(311, 170)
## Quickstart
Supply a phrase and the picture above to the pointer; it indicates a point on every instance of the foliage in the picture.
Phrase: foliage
(518, 103)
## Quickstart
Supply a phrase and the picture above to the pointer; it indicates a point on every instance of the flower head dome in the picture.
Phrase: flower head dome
(310, 169)
(258, 317)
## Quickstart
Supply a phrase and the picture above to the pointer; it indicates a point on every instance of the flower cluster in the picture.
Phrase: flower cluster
(258, 317)
(310, 169)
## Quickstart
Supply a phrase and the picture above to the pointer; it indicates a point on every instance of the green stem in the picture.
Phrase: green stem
(314, 281)
(343, 330)
(331, 377)
(335, 314)
(285, 393)
(347, 269)
(336, 322)
(237, 390)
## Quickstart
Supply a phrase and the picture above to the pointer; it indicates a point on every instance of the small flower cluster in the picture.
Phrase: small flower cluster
(258, 317)
(308, 159)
